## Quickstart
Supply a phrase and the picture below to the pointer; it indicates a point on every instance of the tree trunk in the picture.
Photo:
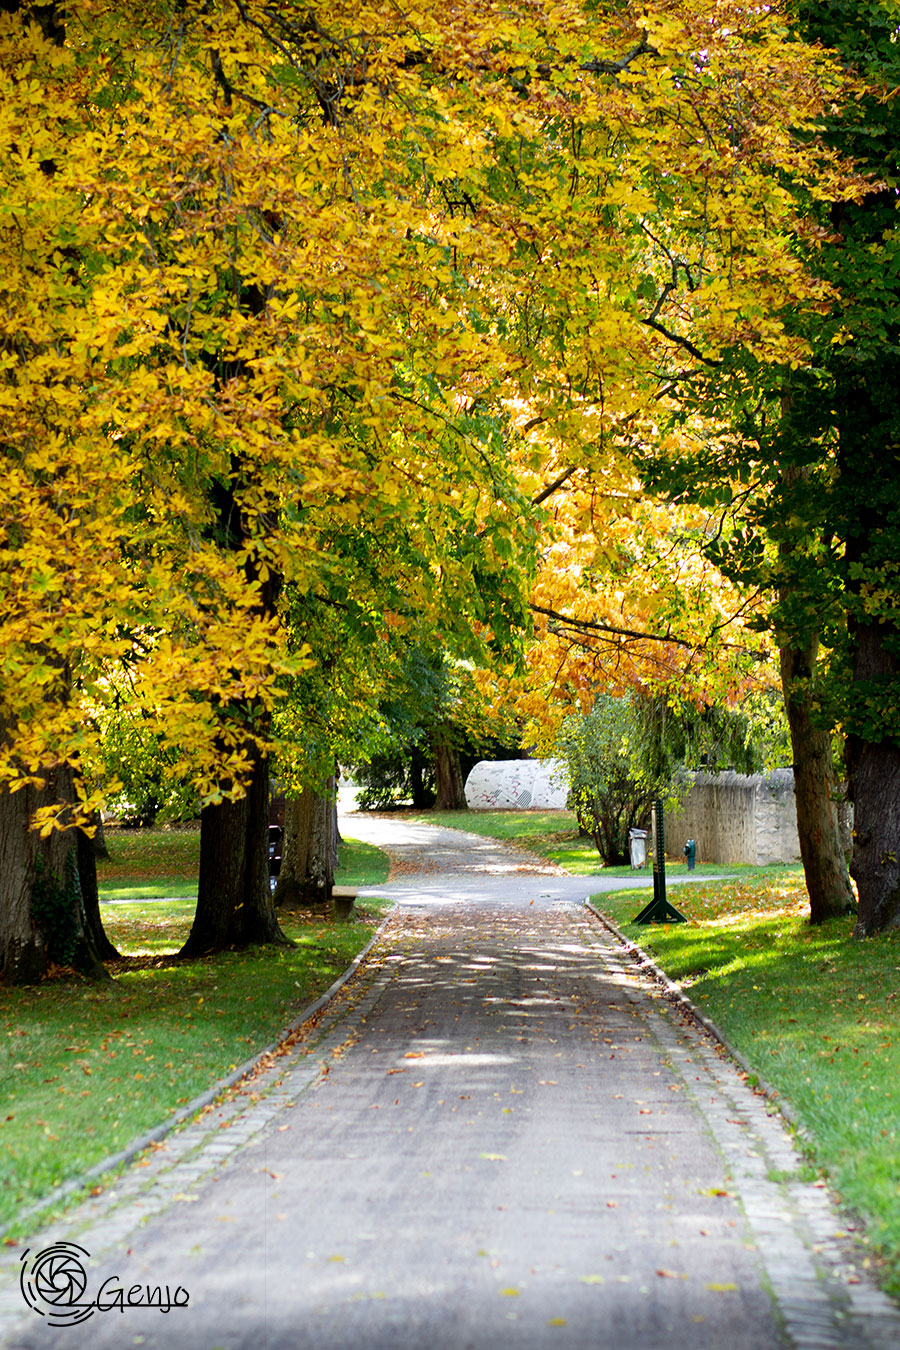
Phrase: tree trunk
(23, 952)
(308, 853)
(235, 906)
(42, 916)
(869, 461)
(90, 895)
(98, 843)
(815, 787)
(874, 785)
(422, 796)
(450, 790)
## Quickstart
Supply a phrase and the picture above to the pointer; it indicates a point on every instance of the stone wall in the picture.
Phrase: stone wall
(734, 818)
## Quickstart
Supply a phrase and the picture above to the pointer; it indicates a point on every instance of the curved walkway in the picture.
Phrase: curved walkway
(501, 1138)
(431, 864)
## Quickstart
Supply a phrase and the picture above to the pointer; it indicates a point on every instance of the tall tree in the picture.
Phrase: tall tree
(321, 266)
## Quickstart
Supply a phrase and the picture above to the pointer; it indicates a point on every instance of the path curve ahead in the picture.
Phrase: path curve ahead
(500, 1138)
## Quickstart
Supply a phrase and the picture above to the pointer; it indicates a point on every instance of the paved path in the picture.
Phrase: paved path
(501, 1136)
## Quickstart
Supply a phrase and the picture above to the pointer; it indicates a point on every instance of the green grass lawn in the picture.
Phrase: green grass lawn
(85, 1069)
(146, 863)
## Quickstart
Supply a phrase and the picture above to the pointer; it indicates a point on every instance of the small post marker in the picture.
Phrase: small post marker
(659, 910)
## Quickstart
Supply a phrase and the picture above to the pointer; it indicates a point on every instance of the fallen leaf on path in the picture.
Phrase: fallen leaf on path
(592, 1279)
(722, 1288)
(493, 1157)
(510, 1293)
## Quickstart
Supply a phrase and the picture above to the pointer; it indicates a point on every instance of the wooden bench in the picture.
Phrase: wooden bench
(343, 899)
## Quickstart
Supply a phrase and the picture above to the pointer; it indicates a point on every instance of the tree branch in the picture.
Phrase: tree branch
(552, 487)
(679, 341)
(591, 626)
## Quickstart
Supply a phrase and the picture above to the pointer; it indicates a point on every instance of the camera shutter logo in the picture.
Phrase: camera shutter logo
(53, 1283)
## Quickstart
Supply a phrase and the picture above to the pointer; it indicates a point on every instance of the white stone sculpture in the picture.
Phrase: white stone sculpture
(518, 784)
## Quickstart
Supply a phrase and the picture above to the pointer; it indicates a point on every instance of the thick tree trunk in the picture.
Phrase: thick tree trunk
(450, 789)
(235, 907)
(23, 950)
(309, 849)
(29, 940)
(869, 462)
(874, 784)
(815, 787)
(422, 796)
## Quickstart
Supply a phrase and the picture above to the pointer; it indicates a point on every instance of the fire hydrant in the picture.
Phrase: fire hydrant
(690, 852)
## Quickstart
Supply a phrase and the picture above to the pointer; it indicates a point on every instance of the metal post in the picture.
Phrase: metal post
(659, 910)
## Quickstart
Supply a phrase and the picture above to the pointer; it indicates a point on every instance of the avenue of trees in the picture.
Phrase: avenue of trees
(551, 348)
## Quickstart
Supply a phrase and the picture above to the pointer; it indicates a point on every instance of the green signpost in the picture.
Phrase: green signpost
(659, 910)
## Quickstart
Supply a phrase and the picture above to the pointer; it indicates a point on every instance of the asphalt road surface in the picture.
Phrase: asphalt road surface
(501, 1135)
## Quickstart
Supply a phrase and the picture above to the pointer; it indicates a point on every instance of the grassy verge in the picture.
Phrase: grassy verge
(86, 1069)
(813, 1012)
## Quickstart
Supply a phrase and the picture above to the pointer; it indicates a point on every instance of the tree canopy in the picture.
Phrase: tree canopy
(323, 324)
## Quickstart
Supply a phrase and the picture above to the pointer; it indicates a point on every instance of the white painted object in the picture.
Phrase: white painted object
(518, 784)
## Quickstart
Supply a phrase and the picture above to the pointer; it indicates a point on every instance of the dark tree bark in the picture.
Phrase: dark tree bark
(869, 463)
(874, 784)
(235, 906)
(98, 843)
(90, 895)
(450, 793)
(309, 850)
(29, 940)
(815, 787)
(23, 949)
(422, 795)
